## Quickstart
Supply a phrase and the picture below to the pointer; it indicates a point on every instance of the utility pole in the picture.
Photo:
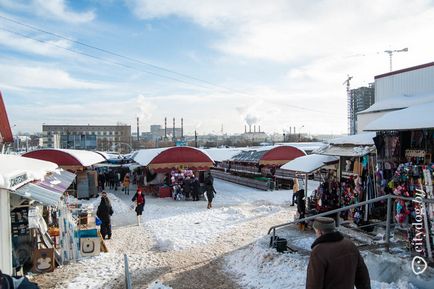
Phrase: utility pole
(350, 106)
(390, 52)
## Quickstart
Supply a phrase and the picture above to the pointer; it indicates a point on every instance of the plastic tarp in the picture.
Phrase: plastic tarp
(309, 163)
(414, 117)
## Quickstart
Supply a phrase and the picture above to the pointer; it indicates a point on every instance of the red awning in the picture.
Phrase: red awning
(5, 128)
(179, 158)
(67, 158)
(280, 155)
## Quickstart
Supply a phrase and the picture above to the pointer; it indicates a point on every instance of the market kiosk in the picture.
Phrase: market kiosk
(163, 166)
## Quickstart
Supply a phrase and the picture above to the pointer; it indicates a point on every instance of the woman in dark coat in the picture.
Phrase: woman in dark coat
(104, 212)
(139, 198)
(210, 191)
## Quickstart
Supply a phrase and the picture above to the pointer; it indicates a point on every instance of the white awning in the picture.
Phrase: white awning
(414, 117)
(345, 151)
(309, 163)
(361, 139)
(49, 190)
(144, 157)
(222, 154)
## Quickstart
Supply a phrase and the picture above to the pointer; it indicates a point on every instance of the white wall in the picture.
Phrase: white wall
(365, 118)
(411, 83)
(5, 233)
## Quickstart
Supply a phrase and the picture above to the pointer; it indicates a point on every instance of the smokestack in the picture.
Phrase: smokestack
(195, 139)
(174, 136)
(245, 128)
(290, 130)
(294, 130)
(259, 128)
(182, 128)
(138, 130)
(250, 128)
(254, 128)
(165, 128)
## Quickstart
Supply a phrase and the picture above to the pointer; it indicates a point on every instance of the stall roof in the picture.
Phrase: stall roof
(414, 117)
(164, 159)
(399, 102)
(67, 157)
(365, 138)
(345, 150)
(16, 170)
(270, 155)
(309, 163)
(222, 154)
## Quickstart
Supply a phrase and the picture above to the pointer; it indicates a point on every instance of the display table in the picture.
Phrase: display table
(165, 192)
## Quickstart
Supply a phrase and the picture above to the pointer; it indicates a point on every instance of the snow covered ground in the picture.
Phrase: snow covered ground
(181, 244)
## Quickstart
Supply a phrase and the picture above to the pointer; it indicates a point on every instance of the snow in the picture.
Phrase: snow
(86, 158)
(222, 154)
(13, 166)
(414, 117)
(144, 157)
(309, 163)
(362, 139)
(399, 102)
(179, 236)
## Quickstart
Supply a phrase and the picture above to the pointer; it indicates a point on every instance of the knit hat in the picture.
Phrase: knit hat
(324, 224)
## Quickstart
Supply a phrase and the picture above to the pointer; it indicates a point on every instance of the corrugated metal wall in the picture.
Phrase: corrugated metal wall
(410, 83)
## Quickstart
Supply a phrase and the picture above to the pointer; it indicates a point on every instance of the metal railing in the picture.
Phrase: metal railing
(128, 284)
(332, 212)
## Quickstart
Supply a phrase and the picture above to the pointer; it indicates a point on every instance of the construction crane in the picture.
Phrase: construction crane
(390, 52)
(350, 106)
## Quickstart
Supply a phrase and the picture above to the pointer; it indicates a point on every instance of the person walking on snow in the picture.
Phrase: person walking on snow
(104, 213)
(210, 191)
(139, 198)
(126, 184)
(335, 262)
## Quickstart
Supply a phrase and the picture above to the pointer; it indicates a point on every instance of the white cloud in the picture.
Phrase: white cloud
(49, 48)
(42, 78)
(56, 9)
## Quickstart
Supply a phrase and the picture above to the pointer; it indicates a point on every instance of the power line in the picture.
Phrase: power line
(116, 54)
(127, 58)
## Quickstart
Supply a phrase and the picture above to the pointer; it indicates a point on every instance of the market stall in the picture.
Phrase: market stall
(26, 187)
(79, 162)
(405, 146)
(356, 174)
(165, 167)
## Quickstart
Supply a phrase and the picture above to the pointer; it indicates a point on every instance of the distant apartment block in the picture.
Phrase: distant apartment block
(360, 99)
(87, 137)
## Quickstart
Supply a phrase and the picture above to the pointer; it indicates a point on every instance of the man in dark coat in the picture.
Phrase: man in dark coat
(104, 213)
(210, 191)
(195, 189)
(335, 262)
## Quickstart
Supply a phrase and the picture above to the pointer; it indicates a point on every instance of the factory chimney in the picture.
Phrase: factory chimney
(165, 128)
(182, 128)
(245, 128)
(138, 129)
(174, 136)
(254, 128)
(290, 130)
(250, 128)
(259, 128)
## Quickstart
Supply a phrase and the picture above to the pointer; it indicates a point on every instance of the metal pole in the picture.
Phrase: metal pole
(388, 219)
(128, 284)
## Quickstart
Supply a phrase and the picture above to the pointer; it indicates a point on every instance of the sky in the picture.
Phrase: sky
(218, 64)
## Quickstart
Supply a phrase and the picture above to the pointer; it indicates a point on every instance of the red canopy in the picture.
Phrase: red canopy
(281, 155)
(181, 157)
(5, 128)
(67, 158)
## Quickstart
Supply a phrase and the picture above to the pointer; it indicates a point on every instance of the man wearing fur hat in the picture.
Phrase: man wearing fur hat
(335, 262)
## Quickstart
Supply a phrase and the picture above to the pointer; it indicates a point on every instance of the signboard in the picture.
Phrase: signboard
(15, 181)
(415, 153)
